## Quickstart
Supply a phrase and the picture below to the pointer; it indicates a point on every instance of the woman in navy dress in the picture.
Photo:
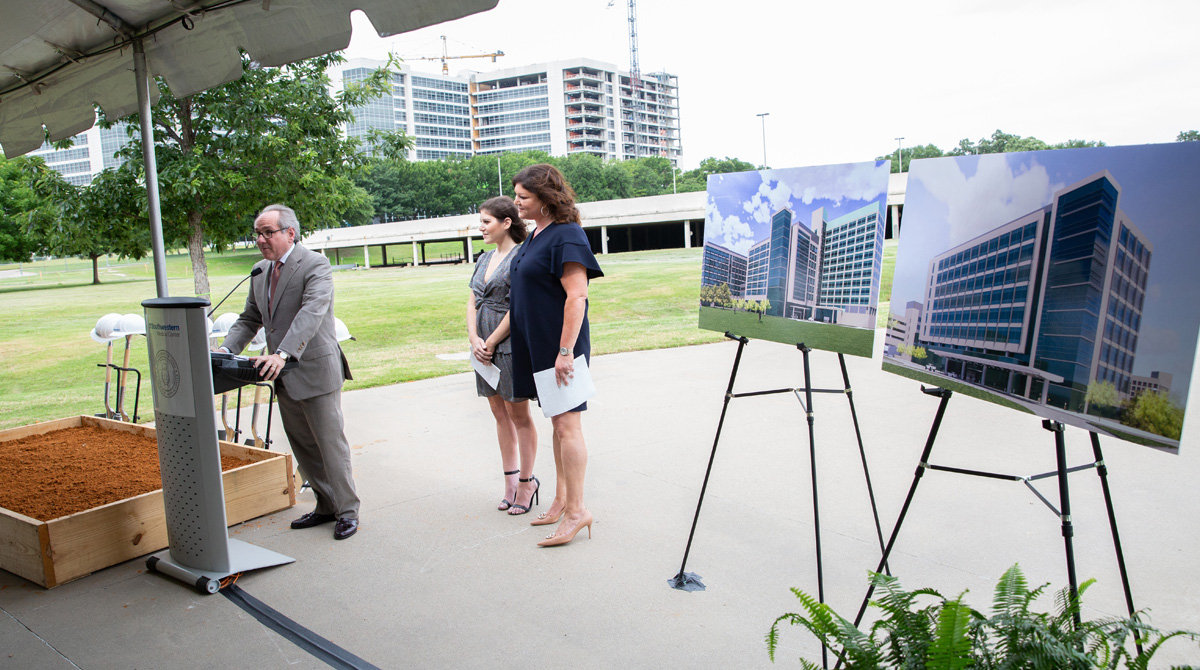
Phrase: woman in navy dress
(550, 275)
(488, 334)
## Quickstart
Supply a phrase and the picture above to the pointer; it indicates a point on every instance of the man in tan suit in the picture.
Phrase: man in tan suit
(293, 302)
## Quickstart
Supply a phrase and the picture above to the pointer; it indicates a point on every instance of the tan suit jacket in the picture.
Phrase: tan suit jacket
(301, 324)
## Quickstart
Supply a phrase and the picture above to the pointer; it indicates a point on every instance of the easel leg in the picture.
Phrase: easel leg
(1102, 471)
(944, 394)
(682, 580)
(812, 459)
(1064, 502)
(863, 455)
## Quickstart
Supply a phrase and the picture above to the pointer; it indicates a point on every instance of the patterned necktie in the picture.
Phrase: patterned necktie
(274, 283)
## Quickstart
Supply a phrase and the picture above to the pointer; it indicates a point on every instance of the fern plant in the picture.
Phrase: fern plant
(922, 630)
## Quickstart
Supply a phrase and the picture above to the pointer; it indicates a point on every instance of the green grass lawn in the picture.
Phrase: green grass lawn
(823, 336)
(401, 318)
(957, 387)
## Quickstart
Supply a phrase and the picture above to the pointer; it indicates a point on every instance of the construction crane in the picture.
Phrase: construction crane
(445, 57)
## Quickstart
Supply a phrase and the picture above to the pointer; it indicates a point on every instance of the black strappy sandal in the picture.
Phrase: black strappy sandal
(533, 497)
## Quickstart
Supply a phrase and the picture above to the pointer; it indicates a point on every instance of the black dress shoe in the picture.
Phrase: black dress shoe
(312, 519)
(345, 528)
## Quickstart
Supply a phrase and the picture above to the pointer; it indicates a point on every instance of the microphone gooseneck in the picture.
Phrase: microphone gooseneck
(253, 273)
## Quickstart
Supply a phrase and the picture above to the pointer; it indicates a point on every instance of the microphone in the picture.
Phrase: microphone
(253, 273)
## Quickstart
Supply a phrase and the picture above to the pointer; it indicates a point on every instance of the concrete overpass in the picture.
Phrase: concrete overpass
(674, 221)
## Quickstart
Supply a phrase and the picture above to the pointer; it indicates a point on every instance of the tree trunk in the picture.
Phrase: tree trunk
(196, 252)
(95, 270)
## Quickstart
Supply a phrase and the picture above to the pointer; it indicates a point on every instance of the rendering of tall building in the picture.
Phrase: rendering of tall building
(1045, 305)
(564, 107)
(822, 271)
(722, 266)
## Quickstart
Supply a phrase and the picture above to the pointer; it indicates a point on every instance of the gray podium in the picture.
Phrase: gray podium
(200, 551)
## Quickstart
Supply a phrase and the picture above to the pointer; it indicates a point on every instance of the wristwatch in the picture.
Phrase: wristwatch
(563, 351)
(284, 355)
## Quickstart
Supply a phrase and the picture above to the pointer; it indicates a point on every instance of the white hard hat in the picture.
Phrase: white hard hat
(223, 323)
(259, 341)
(103, 332)
(341, 331)
(131, 324)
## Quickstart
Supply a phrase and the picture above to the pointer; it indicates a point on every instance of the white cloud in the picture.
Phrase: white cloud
(997, 193)
(772, 196)
(727, 231)
(851, 181)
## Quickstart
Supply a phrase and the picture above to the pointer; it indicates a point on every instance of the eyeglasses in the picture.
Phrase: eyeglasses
(266, 233)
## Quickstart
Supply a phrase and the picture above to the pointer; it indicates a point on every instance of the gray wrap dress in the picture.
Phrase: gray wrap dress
(491, 304)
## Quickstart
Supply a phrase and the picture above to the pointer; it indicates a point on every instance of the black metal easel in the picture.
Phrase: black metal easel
(1063, 511)
(691, 582)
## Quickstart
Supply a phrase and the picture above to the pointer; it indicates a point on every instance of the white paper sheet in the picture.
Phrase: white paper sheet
(489, 371)
(557, 399)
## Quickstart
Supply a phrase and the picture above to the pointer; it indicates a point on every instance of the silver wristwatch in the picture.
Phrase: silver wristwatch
(563, 351)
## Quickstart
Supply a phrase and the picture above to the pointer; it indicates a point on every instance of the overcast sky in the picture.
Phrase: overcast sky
(842, 80)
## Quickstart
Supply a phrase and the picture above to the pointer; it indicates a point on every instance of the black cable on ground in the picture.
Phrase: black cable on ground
(330, 653)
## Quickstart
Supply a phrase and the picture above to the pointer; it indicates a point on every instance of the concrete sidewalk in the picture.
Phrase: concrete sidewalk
(437, 578)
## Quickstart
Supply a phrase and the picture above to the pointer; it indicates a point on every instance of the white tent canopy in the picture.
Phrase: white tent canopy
(59, 57)
(62, 57)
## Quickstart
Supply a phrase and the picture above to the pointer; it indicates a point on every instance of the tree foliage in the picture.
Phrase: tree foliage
(27, 202)
(1188, 136)
(271, 136)
(1000, 142)
(1153, 412)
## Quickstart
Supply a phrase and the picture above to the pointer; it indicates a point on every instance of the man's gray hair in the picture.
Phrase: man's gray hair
(287, 217)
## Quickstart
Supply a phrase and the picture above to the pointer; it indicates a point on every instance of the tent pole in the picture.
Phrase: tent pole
(147, 123)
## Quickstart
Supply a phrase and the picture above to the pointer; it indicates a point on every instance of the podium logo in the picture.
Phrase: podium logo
(166, 373)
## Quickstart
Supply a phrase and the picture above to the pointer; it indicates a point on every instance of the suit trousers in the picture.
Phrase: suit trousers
(315, 432)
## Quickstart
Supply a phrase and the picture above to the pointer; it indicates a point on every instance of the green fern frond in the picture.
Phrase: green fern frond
(951, 645)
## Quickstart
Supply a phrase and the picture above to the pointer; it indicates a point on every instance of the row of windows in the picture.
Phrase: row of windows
(440, 108)
(442, 96)
(1000, 335)
(519, 140)
(436, 155)
(1119, 335)
(440, 84)
(501, 119)
(436, 143)
(1012, 256)
(1003, 241)
(1120, 381)
(519, 128)
(438, 131)
(66, 155)
(544, 148)
(1126, 290)
(987, 315)
(982, 282)
(983, 298)
(510, 93)
(497, 108)
(78, 166)
(1114, 357)
(1124, 314)
(442, 120)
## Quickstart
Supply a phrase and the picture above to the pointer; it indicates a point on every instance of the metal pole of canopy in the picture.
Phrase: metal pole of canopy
(147, 123)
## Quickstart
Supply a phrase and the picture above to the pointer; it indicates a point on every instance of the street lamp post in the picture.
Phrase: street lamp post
(900, 157)
(764, 116)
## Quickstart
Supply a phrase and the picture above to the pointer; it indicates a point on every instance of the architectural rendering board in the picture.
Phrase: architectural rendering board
(1060, 283)
(794, 255)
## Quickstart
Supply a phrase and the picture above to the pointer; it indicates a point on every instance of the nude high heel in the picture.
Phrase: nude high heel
(555, 540)
(544, 518)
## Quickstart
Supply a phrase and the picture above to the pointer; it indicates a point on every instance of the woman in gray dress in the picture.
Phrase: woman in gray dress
(488, 331)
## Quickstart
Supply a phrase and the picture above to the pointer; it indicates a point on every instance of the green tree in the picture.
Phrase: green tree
(106, 217)
(1153, 412)
(919, 353)
(271, 136)
(1002, 142)
(1101, 393)
(722, 296)
(31, 196)
(909, 155)
(1188, 136)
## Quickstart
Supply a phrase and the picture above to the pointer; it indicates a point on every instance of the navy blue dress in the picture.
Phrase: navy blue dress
(537, 301)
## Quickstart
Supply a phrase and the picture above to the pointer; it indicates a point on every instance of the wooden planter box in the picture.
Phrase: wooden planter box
(57, 551)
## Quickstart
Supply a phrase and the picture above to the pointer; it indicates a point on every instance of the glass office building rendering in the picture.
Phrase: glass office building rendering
(824, 271)
(1047, 304)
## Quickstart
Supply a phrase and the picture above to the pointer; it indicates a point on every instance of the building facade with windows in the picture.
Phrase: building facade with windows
(565, 107)
(1045, 305)
(92, 151)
